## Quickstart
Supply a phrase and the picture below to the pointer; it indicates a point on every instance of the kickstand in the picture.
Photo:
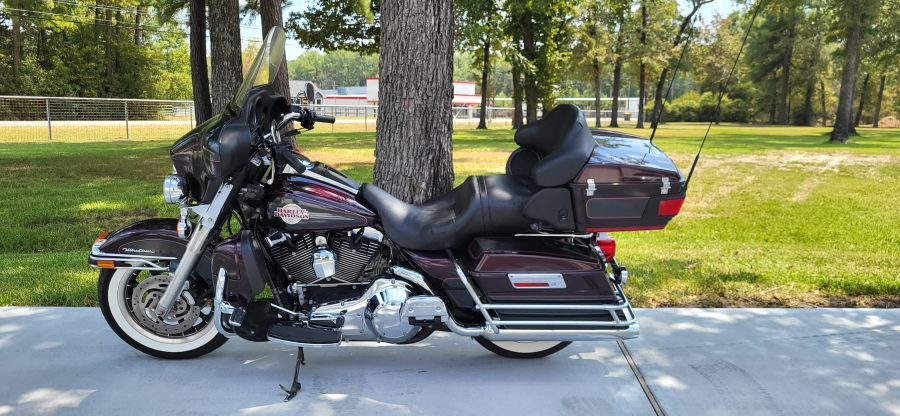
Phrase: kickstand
(295, 386)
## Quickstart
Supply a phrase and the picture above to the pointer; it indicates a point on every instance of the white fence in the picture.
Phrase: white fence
(31, 119)
(86, 119)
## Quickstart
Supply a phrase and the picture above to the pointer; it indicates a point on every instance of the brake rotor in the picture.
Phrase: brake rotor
(147, 294)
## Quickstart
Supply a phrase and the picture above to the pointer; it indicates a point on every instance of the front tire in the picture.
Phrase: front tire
(522, 349)
(193, 336)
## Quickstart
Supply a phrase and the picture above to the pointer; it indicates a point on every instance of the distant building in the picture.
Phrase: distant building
(463, 92)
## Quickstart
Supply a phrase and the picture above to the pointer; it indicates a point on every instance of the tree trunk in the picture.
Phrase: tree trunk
(517, 121)
(485, 81)
(528, 51)
(658, 99)
(773, 110)
(598, 93)
(862, 101)
(271, 16)
(109, 53)
(199, 70)
(137, 24)
(116, 43)
(842, 121)
(824, 109)
(785, 116)
(807, 104)
(641, 89)
(16, 43)
(617, 84)
(878, 103)
(413, 146)
(225, 53)
(643, 69)
(808, 115)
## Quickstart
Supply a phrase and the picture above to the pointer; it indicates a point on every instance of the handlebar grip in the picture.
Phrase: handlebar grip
(323, 118)
(291, 160)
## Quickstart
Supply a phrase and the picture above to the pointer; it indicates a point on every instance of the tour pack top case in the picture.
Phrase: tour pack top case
(627, 184)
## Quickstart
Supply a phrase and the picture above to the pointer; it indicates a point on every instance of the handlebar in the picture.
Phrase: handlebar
(287, 154)
(306, 117)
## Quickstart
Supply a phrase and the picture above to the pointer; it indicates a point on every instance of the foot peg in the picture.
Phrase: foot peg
(295, 386)
(237, 317)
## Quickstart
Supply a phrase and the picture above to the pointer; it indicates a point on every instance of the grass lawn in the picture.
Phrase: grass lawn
(775, 216)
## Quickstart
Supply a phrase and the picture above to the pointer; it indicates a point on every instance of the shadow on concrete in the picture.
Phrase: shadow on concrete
(771, 361)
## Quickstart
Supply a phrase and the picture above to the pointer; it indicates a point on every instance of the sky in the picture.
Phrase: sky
(253, 30)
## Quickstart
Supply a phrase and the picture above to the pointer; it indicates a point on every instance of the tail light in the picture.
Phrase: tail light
(607, 245)
(669, 207)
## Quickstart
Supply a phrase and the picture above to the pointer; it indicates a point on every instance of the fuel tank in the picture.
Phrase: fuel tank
(297, 204)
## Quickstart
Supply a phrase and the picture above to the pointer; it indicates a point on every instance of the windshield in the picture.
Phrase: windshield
(264, 67)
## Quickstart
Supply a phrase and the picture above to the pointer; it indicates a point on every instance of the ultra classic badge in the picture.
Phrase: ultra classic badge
(291, 213)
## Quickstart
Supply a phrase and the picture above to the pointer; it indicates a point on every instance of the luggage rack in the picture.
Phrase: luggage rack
(616, 329)
(623, 306)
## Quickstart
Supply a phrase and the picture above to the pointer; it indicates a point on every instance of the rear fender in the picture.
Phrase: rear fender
(146, 245)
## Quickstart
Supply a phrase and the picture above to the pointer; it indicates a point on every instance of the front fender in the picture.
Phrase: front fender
(146, 245)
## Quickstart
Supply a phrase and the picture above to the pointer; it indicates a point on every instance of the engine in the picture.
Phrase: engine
(330, 258)
(342, 282)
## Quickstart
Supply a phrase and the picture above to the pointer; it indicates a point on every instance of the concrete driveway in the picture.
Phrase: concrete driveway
(694, 362)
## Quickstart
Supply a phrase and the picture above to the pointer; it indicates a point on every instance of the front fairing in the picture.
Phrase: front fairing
(223, 145)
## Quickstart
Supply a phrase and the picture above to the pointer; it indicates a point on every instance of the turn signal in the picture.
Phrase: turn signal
(101, 237)
(669, 207)
(106, 264)
(607, 245)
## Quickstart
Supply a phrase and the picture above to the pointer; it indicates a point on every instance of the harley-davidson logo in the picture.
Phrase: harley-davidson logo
(291, 213)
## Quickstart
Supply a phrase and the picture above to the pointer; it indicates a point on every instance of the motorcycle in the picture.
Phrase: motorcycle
(520, 262)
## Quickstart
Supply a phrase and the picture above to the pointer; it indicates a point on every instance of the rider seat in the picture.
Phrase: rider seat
(535, 192)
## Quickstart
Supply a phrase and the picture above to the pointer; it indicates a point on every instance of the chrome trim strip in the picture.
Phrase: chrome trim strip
(220, 306)
(555, 307)
(149, 264)
(555, 235)
(565, 323)
(631, 332)
(412, 276)
(553, 280)
(316, 176)
(126, 257)
(300, 344)
(471, 290)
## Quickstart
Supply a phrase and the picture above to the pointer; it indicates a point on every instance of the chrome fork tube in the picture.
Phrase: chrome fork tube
(192, 253)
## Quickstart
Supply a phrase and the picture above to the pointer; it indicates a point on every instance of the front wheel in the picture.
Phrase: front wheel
(127, 297)
(522, 349)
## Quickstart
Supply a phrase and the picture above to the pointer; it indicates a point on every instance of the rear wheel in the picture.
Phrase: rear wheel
(522, 349)
(126, 298)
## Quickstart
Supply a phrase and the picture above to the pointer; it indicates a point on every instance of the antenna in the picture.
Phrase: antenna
(759, 5)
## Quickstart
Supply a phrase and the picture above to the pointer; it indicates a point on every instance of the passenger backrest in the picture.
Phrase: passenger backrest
(563, 143)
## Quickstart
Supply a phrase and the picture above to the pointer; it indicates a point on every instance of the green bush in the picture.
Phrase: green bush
(692, 106)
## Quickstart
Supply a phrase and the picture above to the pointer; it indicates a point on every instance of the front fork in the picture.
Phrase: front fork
(186, 264)
(208, 216)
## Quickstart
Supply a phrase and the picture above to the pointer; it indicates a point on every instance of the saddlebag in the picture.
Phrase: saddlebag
(537, 270)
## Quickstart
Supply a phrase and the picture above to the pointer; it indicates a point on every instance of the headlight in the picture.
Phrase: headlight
(173, 189)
